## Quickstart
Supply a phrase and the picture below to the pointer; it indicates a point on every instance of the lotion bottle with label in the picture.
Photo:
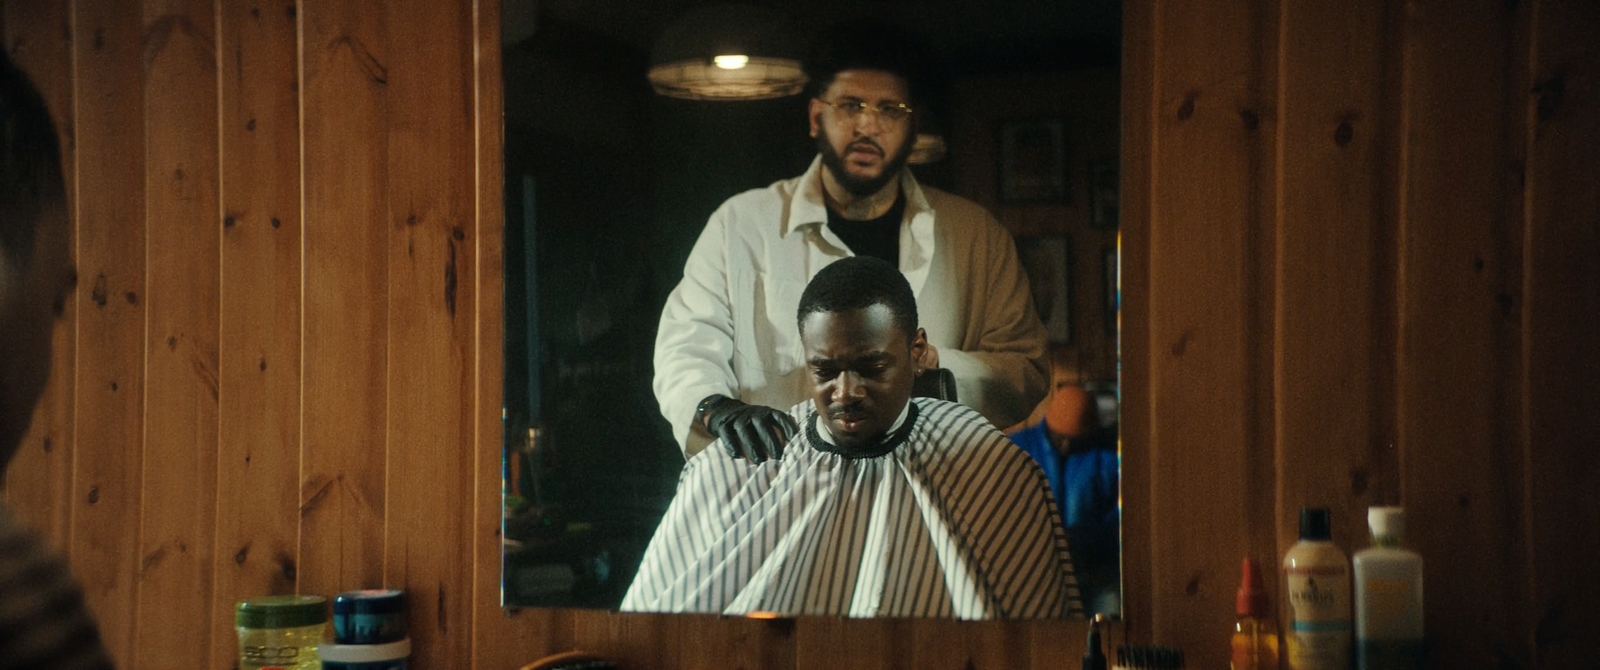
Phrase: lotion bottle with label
(1317, 587)
(1388, 584)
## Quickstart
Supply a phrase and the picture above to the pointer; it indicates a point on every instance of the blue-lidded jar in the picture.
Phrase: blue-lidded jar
(388, 656)
(369, 617)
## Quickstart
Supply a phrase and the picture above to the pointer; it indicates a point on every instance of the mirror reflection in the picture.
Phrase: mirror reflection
(659, 251)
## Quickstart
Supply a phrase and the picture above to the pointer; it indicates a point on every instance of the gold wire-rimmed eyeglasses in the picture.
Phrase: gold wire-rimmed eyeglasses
(895, 112)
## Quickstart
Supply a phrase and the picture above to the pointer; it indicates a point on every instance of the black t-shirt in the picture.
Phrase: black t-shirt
(879, 237)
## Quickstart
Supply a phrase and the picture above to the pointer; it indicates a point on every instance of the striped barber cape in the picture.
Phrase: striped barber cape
(953, 521)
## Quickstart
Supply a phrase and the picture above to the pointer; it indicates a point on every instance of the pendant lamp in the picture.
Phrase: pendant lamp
(727, 52)
(927, 148)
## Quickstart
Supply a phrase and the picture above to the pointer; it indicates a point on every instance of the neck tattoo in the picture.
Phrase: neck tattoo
(859, 207)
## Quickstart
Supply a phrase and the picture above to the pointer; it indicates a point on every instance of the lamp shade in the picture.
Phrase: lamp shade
(727, 52)
(928, 148)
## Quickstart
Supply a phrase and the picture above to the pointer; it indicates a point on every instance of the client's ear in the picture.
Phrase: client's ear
(919, 350)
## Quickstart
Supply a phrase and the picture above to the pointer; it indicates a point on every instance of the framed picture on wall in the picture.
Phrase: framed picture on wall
(1033, 161)
(1103, 194)
(1047, 260)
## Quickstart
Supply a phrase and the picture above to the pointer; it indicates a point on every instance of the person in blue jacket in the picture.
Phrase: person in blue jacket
(1079, 458)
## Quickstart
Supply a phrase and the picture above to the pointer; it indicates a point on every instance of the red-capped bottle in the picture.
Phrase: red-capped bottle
(1255, 635)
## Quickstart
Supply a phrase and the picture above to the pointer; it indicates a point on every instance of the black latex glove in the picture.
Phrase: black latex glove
(753, 432)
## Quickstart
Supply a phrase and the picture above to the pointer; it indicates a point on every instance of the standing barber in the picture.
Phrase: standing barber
(728, 352)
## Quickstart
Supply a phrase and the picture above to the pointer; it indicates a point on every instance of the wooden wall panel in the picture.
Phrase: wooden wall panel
(1414, 292)
(35, 39)
(734, 642)
(1140, 110)
(1330, 339)
(1330, 237)
(1561, 352)
(1199, 308)
(344, 83)
(110, 380)
(258, 461)
(432, 308)
(1459, 471)
(177, 518)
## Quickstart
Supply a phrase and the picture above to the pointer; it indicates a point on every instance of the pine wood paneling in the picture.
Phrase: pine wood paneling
(177, 518)
(1341, 223)
(1561, 352)
(1459, 472)
(258, 461)
(490, 623)
(635, 639)
(1136, 175)
(956, 645)
(109, 410)
(1199, 308)
(853, 645)
(432, 320)
(1330, 222)
(345, 317)
(735, 642)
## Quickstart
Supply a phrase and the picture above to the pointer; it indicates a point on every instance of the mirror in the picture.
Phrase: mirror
(608, 186)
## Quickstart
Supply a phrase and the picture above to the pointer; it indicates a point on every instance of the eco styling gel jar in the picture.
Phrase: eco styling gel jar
(280, 632)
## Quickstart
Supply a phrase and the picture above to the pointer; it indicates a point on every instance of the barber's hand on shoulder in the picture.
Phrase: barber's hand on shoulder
(753, 432)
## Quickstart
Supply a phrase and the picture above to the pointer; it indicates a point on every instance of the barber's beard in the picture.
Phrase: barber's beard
(894, 161)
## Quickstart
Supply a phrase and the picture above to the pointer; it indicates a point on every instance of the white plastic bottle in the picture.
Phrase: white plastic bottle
(1388, 596)
(1317, 580)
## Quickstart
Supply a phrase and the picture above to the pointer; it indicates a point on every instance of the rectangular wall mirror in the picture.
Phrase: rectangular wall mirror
(608, 185)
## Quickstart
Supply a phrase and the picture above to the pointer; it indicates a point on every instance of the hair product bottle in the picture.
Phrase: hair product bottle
(1317, 583)
(1255, 635)
(1388, 596)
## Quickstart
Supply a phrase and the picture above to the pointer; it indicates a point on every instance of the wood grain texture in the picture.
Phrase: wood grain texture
(1136, 176)
(178, 514)
(1455, 224)
(345, 314)
(1458, 470)
(433, 312)
(1331, 221)
(1561, 354)
(735, 642)
(107, 483)
(1199, 311)
(259, 445)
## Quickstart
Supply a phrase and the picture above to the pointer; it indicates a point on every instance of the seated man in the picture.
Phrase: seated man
(1080, 461)
(881, 505)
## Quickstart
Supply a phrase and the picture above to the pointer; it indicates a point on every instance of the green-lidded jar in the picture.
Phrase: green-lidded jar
(280, 632)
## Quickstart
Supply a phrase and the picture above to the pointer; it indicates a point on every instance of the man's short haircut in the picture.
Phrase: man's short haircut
(866, 44)
(30, 162)
(859, 282)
